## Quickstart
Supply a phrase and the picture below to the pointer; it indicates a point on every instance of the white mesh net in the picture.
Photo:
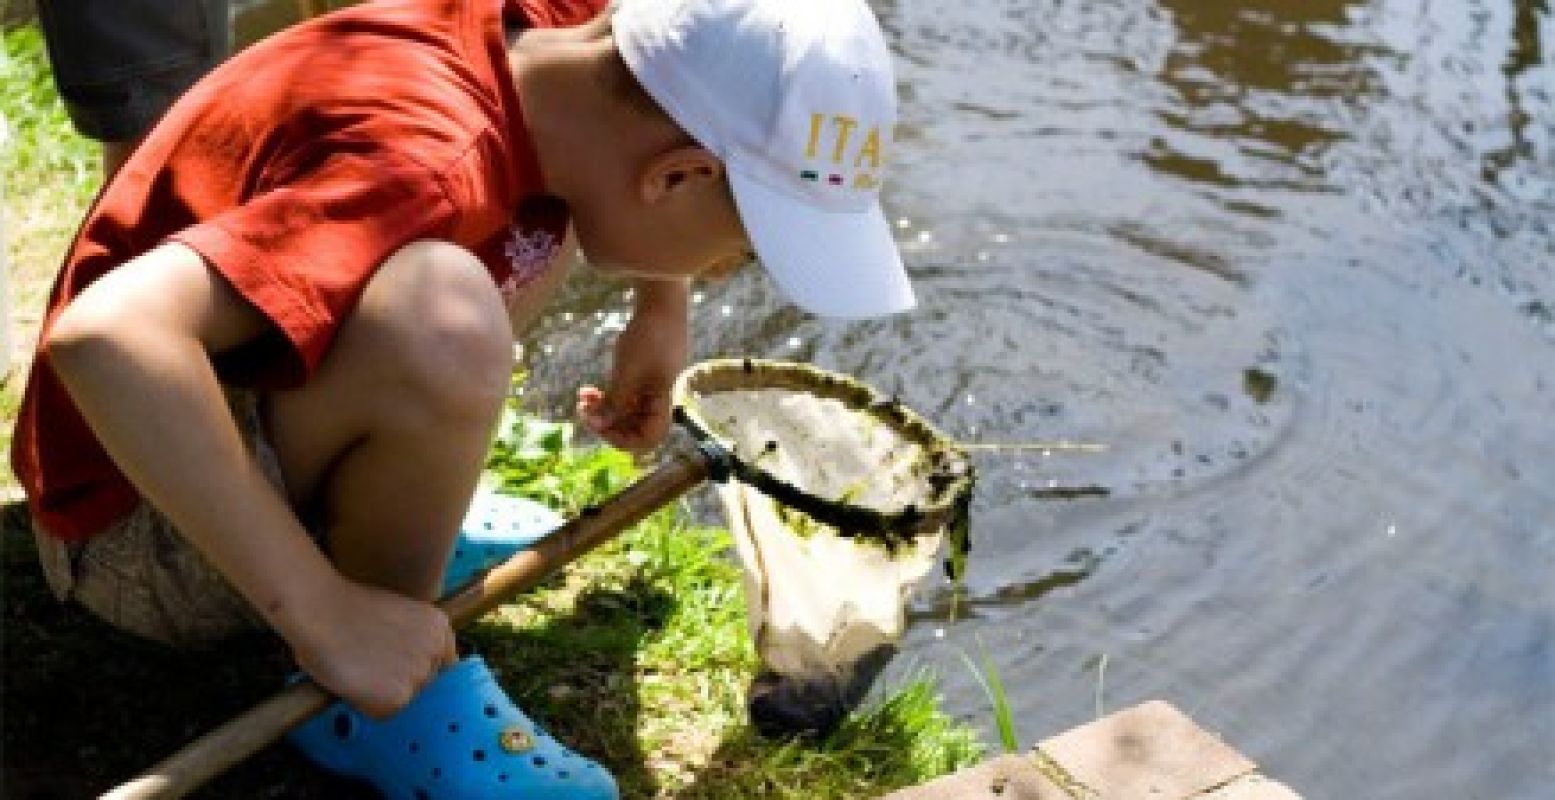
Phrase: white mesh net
(820, 445)
(827, 586)
(818, 601)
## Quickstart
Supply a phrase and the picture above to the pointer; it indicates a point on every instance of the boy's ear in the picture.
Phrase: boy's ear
(677, 169)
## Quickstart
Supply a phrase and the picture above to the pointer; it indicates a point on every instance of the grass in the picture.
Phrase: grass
(48, 173)
(993, 687)
(45, 157)
(637, 655)
(680, 630)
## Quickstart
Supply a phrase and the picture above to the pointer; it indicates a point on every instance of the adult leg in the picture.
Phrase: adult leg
(114, 156)
(384, 446)
(118, 64)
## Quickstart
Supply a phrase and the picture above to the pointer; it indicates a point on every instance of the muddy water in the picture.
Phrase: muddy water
(1293, 262)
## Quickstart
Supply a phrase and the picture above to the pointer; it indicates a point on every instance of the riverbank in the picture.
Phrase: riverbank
(637, 655)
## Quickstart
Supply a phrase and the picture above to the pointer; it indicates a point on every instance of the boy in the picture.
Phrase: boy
(272, 362)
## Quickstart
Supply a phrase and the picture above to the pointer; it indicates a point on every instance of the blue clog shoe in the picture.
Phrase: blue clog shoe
(461, 738)
(495, 527)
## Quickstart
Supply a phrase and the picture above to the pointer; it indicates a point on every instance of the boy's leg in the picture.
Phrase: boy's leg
(142, 576)
(384, 445)
(382, 449)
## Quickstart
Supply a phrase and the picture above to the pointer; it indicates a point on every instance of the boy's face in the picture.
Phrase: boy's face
(676, 219)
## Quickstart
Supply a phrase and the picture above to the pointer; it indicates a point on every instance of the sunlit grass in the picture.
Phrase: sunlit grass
(646, 658)
(44, 154)
(48, 173)
(987, 675)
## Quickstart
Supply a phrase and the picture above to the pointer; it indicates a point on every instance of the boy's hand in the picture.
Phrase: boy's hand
(634, 413)
(636, 423)
(373, 648)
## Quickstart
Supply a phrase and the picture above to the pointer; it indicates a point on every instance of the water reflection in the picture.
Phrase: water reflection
(1254, 246)
(1260, 87)
(1525, 59)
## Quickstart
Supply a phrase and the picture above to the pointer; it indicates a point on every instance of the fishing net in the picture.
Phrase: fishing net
(841, 502)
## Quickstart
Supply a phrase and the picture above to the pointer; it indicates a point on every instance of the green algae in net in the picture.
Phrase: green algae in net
(829, 447)
(842, 501)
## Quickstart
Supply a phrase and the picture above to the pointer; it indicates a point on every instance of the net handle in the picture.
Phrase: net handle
(247, 733)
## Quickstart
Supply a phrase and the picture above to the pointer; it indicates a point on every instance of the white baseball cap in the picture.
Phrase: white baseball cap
(798, 99)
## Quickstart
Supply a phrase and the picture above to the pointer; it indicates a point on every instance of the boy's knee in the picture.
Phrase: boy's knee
(456, 346)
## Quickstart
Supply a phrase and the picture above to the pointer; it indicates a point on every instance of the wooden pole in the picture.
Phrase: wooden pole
(246, 734)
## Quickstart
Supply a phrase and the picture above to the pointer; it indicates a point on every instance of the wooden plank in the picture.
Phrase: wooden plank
(1252, 787)
(1150, 751)
(1007, 777)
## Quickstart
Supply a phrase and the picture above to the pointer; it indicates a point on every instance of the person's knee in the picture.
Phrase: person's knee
(456, 346)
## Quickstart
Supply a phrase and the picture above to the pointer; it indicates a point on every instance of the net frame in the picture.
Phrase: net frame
(949, 475)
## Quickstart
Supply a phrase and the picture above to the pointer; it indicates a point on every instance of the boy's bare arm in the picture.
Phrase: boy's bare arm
(633, 413)
(134, 351)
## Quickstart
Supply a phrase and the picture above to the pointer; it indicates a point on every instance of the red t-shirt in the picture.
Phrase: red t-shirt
(295, 169)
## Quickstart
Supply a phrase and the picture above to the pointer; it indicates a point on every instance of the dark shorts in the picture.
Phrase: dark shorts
(118, 64)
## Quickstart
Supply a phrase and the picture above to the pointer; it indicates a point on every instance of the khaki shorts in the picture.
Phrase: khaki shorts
(142, 576)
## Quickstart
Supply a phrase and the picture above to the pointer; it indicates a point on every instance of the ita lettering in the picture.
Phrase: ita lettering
(838, 140)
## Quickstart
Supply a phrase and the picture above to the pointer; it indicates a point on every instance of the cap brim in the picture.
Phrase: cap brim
(830, 263)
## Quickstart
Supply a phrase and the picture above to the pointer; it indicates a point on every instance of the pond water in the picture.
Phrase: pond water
(1292, 262)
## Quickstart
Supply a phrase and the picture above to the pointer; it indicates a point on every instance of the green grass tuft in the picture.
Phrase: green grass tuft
(642, 655)
(42, 152)
(48, 173)
(1004, 717)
